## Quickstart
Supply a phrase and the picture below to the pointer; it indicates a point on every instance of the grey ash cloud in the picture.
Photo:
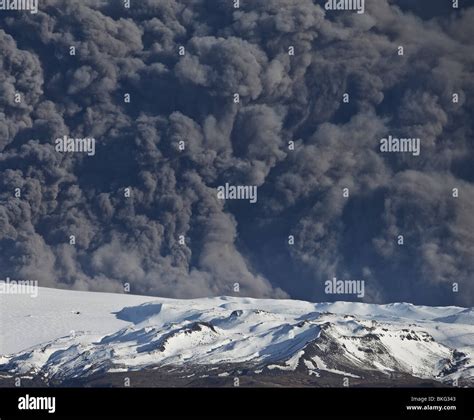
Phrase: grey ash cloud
(283, 98)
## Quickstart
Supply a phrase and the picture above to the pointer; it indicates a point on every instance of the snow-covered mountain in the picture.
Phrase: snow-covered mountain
(62, 336)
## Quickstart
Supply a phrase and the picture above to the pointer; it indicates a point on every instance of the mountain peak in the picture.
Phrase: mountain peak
(64, 336)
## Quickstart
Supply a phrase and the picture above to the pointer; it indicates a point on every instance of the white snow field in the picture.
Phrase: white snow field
(67, 334)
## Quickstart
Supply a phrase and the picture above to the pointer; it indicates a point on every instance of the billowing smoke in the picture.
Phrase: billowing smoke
(220, 95)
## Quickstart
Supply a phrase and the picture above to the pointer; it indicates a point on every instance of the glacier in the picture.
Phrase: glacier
(65, 335)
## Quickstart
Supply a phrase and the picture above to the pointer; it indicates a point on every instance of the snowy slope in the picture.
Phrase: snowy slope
(26, 321)
(63, 334)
